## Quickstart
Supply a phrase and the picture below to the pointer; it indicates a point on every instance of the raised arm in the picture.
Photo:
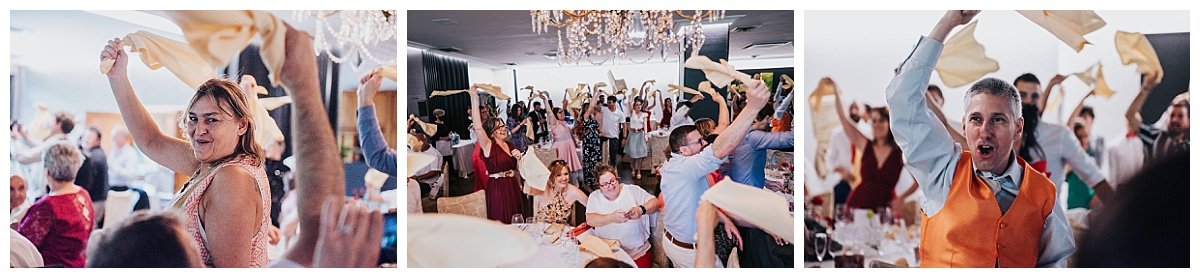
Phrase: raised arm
(592, 106)
(374, 147)
(722, 106)
(928, 151)
(706, 223)
(319, 173)
(551, 121)
(173, 153)
(856, 136)
(732, 136)
(941, 116)
(477, 122)
(1055, 81)
(1132, 115)
(1078, 109)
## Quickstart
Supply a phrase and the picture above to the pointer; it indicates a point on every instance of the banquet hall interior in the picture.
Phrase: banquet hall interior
(310, 142)
(1104, 114)
(501, 107)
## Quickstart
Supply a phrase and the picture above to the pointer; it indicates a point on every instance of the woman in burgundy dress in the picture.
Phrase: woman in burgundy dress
(881, 164)
(503, 187)
(60, 223)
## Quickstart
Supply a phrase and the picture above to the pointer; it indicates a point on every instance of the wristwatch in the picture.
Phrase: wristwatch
(643, 209)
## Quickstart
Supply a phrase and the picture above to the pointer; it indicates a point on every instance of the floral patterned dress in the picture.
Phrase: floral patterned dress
(591, 154)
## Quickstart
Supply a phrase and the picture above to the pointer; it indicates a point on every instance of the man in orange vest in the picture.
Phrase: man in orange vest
(972, 216)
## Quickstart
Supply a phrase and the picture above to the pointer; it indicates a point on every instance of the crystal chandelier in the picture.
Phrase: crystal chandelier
(356, 32)
(600, 36)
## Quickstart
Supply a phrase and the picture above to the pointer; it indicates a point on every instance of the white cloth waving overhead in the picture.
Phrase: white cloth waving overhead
(963, 60)
(1067, 26)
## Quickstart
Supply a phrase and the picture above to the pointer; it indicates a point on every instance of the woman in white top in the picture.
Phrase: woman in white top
(636, 147)
(616, 211)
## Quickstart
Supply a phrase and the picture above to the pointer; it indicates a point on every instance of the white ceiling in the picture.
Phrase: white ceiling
(76, 51)
(507, 36)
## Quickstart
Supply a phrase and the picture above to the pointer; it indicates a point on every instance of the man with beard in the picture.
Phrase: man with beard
(1157, 143)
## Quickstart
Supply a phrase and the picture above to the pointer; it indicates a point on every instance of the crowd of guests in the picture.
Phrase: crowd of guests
(590, 139)
(962, 179)
(239, 194)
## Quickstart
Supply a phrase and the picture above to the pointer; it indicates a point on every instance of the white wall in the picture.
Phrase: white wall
(859, 50)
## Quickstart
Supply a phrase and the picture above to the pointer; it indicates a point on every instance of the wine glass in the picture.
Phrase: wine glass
(820, 246)
(518, 219)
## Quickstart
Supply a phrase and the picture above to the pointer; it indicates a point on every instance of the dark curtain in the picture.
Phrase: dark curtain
(716, 47)
(445, 73)
(1174, 53)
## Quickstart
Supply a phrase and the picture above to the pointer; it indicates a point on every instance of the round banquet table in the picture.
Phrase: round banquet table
(562, 254)
(462, 157)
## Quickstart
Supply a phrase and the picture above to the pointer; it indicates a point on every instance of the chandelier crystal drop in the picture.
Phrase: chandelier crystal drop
(354, 34)
(599, 36)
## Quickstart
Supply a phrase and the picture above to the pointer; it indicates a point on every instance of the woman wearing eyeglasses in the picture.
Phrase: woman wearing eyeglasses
(502, 181)
(617, 212)
(555, 203)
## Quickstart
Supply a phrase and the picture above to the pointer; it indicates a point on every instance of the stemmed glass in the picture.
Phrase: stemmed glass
(820, 246)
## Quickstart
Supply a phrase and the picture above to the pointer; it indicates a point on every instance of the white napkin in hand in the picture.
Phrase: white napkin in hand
(758, 207)
(963, 59)
(533, 171)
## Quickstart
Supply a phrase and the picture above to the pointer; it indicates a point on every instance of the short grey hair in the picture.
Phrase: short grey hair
(995, 87)
(62, 161)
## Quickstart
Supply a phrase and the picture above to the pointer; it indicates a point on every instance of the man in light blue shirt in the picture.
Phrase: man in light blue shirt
(748, 162)
(684, 176)
(374, 146)
(992, 123)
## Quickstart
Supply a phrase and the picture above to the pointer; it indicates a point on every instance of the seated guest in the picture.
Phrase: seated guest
(430, 176)
(17, 203)
(60, 223)
(616, 212)
(145, 239)
(556, 202)
(973, 216)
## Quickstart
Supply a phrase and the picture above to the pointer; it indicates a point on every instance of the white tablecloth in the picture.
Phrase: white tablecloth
(564, 254)
(462, 157)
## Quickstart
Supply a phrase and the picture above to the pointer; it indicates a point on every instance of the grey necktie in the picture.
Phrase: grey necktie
(1006, 194)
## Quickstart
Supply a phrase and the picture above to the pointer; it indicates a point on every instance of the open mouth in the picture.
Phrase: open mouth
(986, 150)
